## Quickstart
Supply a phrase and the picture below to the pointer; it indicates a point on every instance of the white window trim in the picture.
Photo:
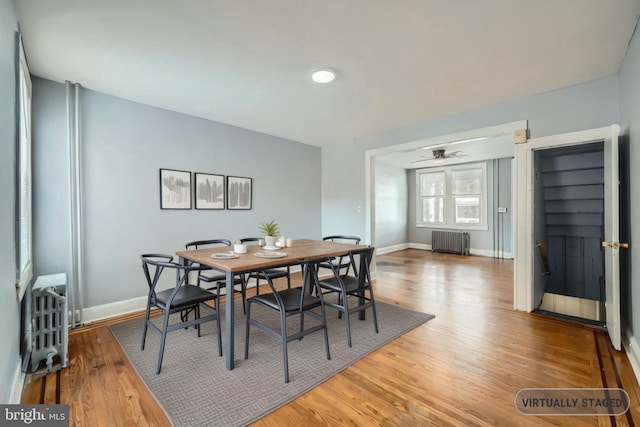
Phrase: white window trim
(24, 271)
(449, 223)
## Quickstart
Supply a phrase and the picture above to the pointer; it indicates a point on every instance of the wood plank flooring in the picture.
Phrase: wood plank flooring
(462, 368)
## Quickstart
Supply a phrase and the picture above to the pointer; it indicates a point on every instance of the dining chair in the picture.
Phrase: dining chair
(352, 287)
(182, 296)
(290, 302)
(273, 273)
(341, 262)
(219, 280)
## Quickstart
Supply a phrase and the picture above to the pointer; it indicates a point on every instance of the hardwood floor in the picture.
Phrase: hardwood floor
(462, 368)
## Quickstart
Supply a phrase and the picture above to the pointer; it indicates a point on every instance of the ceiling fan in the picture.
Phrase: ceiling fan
(441, 155)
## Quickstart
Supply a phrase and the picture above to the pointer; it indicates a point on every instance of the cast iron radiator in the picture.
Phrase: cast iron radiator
(454, 242)
(49, 321)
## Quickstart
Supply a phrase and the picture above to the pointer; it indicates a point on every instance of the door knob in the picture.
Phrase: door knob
(615, 245)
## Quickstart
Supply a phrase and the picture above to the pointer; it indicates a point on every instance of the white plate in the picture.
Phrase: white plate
(270, 254)
(271, 248)
(224, 255)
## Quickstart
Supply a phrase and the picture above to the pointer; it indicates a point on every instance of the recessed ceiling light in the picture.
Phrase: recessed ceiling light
(323, 75)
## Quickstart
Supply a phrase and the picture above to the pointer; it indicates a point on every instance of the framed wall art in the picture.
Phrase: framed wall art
(208, 191)
(175, 189)
(239, 192)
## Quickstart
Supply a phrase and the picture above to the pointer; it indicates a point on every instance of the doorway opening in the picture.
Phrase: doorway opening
(568, 209)
(482, 144)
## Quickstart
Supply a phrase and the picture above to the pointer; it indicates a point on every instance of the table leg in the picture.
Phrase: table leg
(229, 326)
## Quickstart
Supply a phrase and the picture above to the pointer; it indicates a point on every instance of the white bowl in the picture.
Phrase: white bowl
(240, 249)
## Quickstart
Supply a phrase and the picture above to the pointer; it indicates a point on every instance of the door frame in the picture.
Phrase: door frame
(523, 285)
(370, 167)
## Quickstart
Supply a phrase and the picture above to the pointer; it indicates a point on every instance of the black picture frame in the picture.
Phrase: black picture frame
(175, 189)
(239, 193)
(209, 191)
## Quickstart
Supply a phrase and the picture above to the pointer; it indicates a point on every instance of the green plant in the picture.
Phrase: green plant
(269, 228)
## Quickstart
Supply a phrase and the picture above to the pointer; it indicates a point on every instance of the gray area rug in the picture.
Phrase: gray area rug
(196, 389)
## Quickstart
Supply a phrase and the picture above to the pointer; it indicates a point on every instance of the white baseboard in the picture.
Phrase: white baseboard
(632, 348)
(472, 251)
(489, 253)
(104, 311)
(17, 383)
(422, 246)
(388, 249)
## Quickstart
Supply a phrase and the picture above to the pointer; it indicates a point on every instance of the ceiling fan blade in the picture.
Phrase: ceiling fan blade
(423, 160)
(457, 153)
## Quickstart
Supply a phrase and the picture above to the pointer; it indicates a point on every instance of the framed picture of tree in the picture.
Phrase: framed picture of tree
(209, 191)
(175, 189)
(239, 192)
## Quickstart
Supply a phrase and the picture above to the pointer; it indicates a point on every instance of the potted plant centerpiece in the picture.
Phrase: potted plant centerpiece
(270, 231)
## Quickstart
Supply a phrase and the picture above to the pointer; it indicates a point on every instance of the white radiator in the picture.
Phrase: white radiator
(454, 242)
(49, 321)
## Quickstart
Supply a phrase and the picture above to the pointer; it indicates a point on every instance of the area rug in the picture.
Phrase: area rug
(195, 388)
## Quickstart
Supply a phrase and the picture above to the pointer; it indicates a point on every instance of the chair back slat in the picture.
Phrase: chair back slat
(156, 261)
(366, 256)
(250, 239)
(198, 244)
(154, 264)
(341, 238)
(362, 273)
(351, 239)
(273, 290)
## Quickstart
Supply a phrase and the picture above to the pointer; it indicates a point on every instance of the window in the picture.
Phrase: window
(452, 197)
(467, 184)
(432, 193)
(23, 195)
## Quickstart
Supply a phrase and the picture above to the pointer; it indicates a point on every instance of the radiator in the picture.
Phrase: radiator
(455, 242)
(49, 321)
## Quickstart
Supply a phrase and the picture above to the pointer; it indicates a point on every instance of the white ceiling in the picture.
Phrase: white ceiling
(420, 154)
(247, 62)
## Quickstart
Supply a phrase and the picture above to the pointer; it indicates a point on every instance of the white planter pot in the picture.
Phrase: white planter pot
(270, 240)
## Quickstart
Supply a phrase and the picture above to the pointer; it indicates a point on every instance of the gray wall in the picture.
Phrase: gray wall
(9, 306)
(503, 221)
(391, 201)
(585, 106)
(630, 122)
(496, 241)
(50, 180)
(124, 144)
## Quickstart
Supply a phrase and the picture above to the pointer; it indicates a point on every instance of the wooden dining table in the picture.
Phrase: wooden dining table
(303, 250)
